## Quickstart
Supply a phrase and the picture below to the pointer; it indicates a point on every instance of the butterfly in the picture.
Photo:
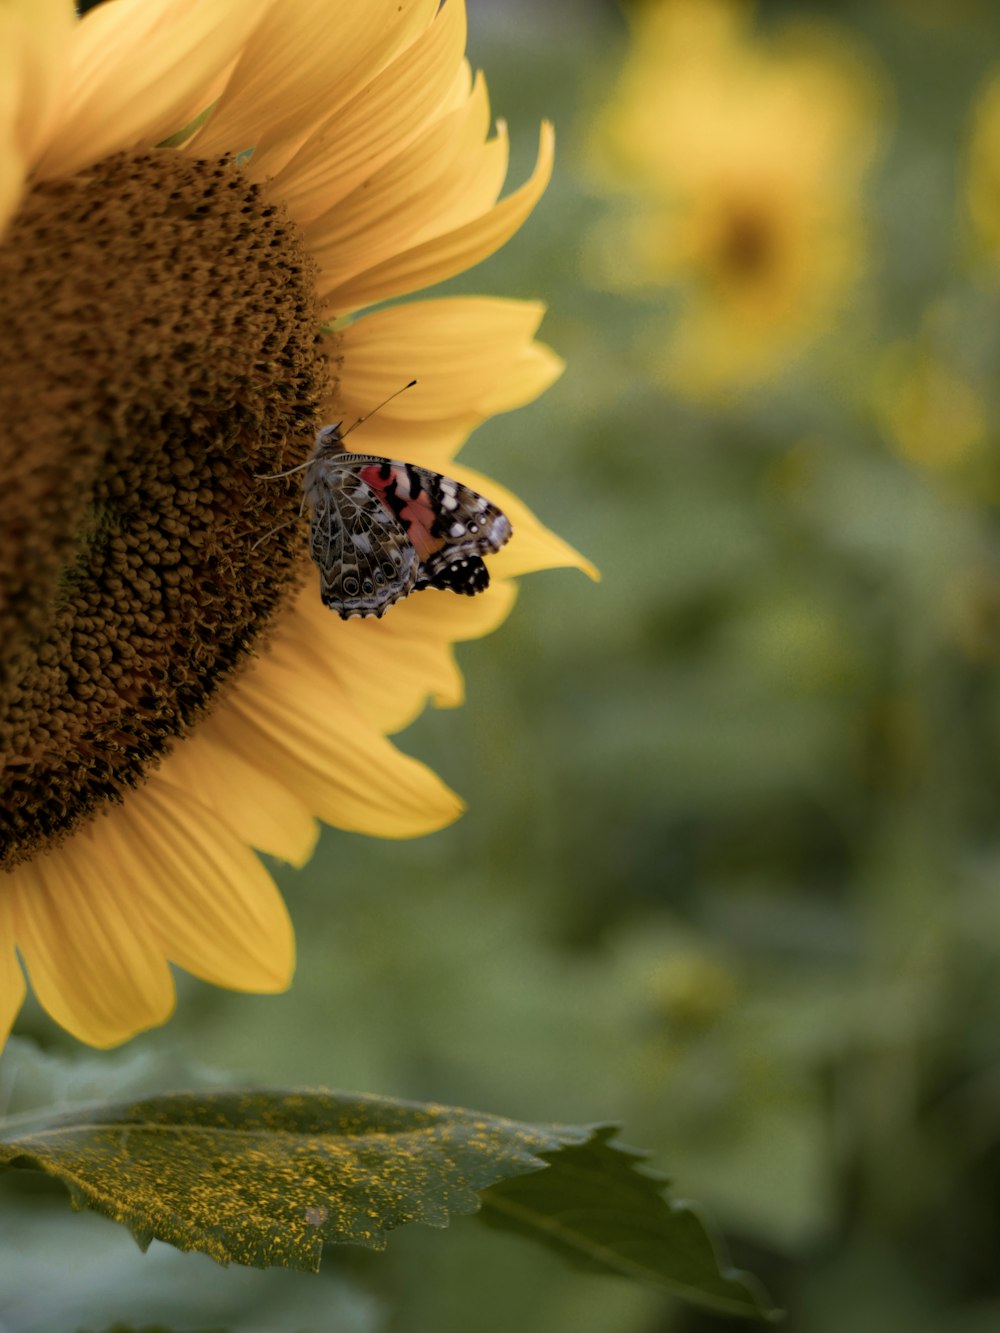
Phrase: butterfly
(381, 529)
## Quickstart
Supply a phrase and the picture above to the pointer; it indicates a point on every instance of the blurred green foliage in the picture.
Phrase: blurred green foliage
(731, 867)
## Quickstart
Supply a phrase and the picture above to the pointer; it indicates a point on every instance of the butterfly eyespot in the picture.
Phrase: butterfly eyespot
(351, 587)
(368, 587)
(379, 576)
(388, 571)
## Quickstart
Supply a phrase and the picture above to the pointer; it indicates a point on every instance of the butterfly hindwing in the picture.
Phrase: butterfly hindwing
(381, 529)
(468, 575)
(366, 562)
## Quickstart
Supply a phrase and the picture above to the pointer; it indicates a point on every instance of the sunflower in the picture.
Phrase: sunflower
(198, 199)
(745, 156)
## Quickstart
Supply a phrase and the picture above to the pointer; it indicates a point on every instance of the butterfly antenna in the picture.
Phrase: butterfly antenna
(274, 476)
(382, 404)
(299, 467)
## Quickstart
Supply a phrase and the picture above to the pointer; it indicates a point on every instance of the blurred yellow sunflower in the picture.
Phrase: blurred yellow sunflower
(929, 414)
(746, 156)
(982, 185)
(180, 315)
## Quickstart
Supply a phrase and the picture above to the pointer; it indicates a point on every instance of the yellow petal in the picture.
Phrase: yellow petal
(403, 198)
(305, 60)
(472, 357)
(37, 34)
(390, 667)
(261, 811)
(93, 961)
(210, 905)
(380, 122)
(312, 738)
(135, 68)
(468, 188)
(34, 39)
(461, 618)
(445, 255)
(12, 163)
(465, 194)
(476, 327)
(535, 369)
(387, 672)
(533, 545)
(433, 614)
(11, 977)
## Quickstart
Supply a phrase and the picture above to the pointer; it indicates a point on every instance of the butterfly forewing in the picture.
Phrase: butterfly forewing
(381, 528)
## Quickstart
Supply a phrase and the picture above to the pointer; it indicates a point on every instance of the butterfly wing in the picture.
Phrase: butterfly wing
(366, 560)
(450, 526)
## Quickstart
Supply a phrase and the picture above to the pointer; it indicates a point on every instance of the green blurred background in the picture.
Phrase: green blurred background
(730, 868)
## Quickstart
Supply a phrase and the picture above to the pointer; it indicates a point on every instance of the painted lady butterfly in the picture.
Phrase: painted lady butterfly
(381, 529)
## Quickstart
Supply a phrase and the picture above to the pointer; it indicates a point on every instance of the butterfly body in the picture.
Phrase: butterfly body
(381, 529)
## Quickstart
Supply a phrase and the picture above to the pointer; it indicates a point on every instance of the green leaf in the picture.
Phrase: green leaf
(266, 1178)
(596, 1209)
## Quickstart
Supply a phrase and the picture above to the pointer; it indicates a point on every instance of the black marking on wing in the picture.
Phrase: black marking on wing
(467, 575)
